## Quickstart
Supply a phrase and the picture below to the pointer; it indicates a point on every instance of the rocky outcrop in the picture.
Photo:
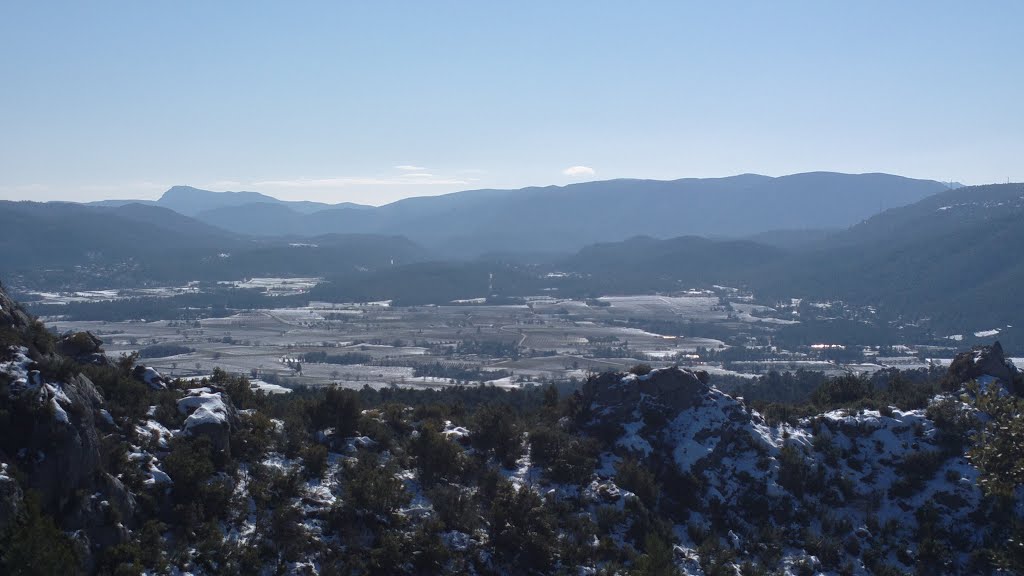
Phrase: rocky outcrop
(49, 438)
(60, 452)
(82, 347)
(668, 390)
(11, 314)
(985, 361)
(675, 415)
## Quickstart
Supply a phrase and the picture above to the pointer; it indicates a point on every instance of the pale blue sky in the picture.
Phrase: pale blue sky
(373, 101)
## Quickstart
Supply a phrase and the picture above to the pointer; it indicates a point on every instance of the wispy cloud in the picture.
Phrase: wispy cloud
(347, 181)
(409, 168)
(576, 171)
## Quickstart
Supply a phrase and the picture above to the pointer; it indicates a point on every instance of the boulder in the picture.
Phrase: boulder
(982, 361)
(210, 414)
(121, 499)
(82, 347)
(150, 376)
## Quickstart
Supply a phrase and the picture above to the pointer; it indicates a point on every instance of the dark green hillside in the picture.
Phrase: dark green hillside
(953, 258)
(64, 245)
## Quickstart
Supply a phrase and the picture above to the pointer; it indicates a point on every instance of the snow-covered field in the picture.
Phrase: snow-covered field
(555, 339)
(277, 286)
(697, 307)
(106, 295)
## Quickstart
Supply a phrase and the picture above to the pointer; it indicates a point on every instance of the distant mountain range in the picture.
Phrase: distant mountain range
(191, 201)
(564, 219)
(948, 255)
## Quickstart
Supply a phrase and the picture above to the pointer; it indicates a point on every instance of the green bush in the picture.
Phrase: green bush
(495, 428)
(35, 546)
(437, 458)
(565, 457)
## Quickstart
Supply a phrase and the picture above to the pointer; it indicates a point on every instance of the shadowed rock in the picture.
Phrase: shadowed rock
(82, 347)
(983, 361)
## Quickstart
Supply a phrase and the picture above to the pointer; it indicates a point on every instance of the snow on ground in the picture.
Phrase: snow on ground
(157, 431)
(17, 367)
(506, 382)
(294, 315)
(631, 439)
(524, 474)
(456, 433)
(745, 317)
(279, 462)
(156, 475)
(719, 371)
(63, 298)
(278, 286)
(58, 412)
(269, 388)
(419, 506)
(153, 379)
(689, 449)
(661, 354)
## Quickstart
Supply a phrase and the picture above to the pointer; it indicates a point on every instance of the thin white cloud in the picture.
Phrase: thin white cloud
(576, 171)
(409, 168)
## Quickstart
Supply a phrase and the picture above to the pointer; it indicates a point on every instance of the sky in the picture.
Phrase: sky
(374, 101)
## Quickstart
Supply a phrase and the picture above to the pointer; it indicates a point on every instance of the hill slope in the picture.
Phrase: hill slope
(953, 257)
(55, 245)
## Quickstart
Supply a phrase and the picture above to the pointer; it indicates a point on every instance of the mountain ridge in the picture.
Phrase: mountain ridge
(567, 218)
